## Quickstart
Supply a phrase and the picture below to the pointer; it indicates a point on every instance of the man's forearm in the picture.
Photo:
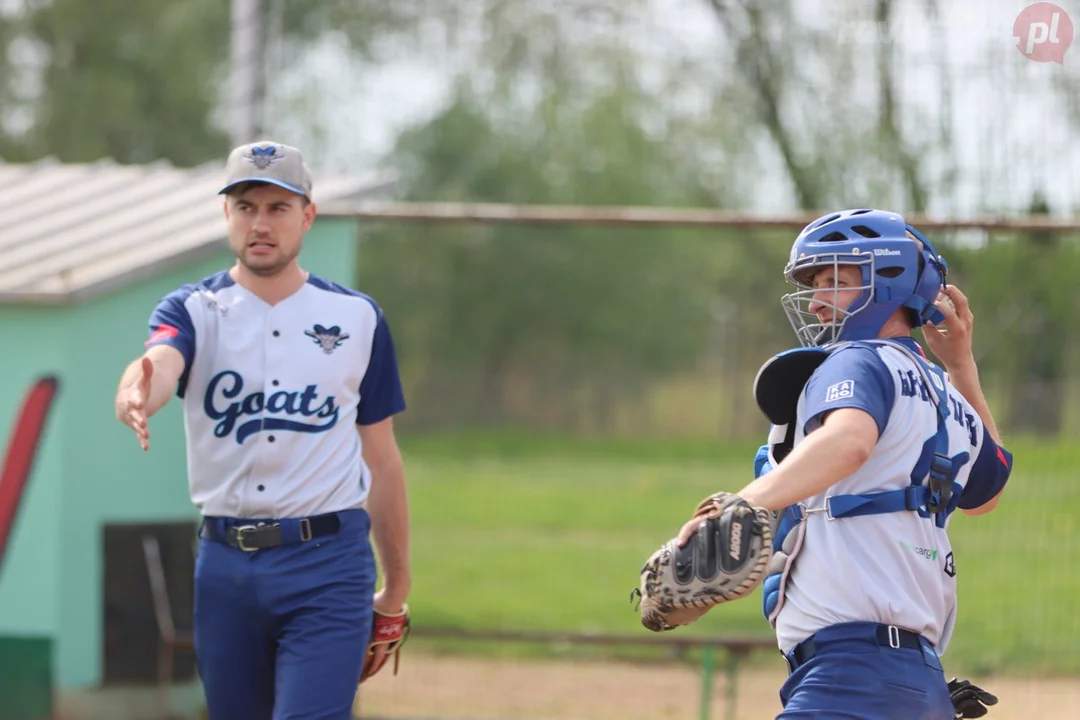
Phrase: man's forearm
(389, 509)
(823, 459)
(965, 378)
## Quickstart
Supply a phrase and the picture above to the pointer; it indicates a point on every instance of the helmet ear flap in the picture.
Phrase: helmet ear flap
(929, 256)
(931, 281)
(931, 314)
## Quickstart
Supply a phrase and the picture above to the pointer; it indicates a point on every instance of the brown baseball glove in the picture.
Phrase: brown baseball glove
(388, 634)
(724, 560)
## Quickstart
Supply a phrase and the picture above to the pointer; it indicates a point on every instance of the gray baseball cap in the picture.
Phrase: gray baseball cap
(268, 162)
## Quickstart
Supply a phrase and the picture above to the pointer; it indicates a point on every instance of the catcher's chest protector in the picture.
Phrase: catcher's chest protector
(932, 492)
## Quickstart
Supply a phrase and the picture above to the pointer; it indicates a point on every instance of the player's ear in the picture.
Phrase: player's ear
(309, 215)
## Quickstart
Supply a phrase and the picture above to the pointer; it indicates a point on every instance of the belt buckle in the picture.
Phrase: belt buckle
(305, 530)
(240, 529)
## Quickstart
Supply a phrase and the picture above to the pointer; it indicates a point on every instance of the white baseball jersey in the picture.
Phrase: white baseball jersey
(895, 568)
(272, 393)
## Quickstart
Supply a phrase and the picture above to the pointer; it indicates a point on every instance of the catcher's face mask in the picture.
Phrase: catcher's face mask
(827, 296)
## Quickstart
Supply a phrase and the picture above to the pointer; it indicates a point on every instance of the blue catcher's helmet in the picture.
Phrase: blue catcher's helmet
(895, 274)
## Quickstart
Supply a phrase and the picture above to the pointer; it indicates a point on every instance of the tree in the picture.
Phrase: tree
(557, 327)
(142, 81)
(829, 104)
(568, 327)
(1040, 343)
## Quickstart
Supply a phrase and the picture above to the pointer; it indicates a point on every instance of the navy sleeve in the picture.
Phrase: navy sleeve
(170, 324)
(988, 475)
(852, 377)
(380, 391)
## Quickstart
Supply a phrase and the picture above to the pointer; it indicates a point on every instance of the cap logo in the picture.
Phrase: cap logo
(265, 156)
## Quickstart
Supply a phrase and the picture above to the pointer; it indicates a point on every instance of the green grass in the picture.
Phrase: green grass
(543, 533)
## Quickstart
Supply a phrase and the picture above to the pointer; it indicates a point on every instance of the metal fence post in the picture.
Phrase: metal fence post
(708, 665)
(731, 677)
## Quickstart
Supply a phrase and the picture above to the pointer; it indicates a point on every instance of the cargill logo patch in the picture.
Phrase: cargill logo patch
(928, 553)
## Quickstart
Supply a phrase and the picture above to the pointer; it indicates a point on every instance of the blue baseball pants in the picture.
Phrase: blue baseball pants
(282, 633)
(865, 671)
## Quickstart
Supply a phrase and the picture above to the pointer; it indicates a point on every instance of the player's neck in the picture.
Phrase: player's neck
(895, 327)
(270, 289)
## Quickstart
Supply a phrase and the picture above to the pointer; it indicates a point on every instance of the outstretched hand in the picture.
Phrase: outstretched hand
(131, 404)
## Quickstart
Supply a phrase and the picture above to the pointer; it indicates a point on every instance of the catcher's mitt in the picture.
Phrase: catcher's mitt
(724, 560)
(388, 634)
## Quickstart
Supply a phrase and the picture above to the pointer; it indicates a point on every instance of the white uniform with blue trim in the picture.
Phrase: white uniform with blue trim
(272, 393)
(895, 568)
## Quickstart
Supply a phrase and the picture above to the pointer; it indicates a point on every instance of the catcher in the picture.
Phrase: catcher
(871, 450)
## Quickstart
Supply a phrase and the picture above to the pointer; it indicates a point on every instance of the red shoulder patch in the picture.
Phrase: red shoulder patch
(164, 332)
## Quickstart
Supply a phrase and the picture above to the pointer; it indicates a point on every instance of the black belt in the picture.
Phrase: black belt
(886, 636)
(250, 537)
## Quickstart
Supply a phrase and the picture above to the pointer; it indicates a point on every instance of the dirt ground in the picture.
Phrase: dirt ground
(442, 688)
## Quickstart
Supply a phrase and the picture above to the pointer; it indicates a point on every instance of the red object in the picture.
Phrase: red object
(21, 452)
(388, 628)
(164, 332)
(389, 631)
(1001, 457)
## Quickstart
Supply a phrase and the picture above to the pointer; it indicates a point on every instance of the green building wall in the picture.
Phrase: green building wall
(32, 343)
(90, 470)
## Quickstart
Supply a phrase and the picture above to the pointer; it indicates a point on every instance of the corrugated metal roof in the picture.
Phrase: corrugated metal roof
(72, 231)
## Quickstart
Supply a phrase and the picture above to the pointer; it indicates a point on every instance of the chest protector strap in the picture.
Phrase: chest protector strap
(777, 389)
(939, 495)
